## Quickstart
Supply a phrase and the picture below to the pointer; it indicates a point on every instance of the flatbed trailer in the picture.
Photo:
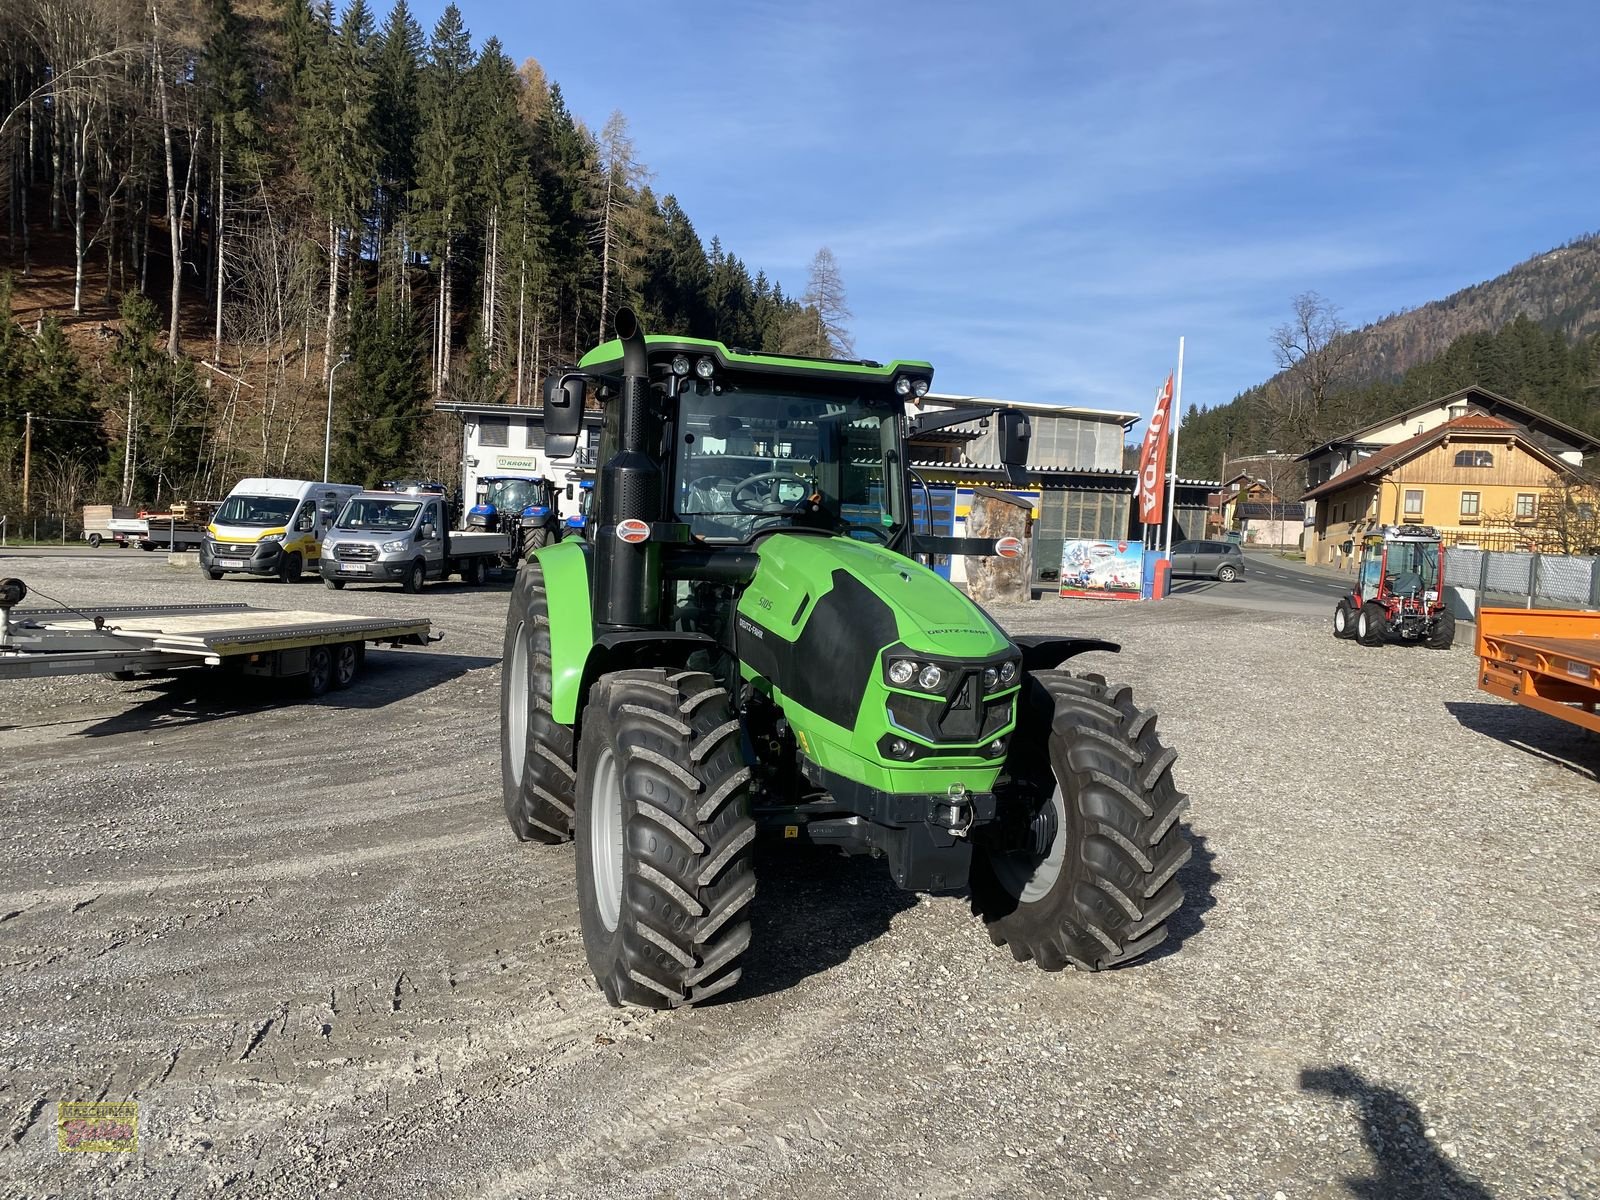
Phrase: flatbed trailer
(1545, 659)
(327, 649)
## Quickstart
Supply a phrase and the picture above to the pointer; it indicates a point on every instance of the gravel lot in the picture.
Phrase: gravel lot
(302, 937)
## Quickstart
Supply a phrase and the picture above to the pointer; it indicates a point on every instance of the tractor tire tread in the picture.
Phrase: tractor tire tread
(540, 806)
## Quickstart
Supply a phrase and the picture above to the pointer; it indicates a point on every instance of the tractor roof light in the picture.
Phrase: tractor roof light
(705, 368)
(919, 389)
(902, 386)
(680, 364)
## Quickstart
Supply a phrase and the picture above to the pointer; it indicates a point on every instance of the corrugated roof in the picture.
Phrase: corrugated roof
(1390, 456)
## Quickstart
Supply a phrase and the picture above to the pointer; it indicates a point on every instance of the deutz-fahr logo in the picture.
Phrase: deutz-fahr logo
(746, 625)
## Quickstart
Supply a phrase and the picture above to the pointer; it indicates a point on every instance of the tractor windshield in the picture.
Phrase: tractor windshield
(1412, 567)
(509, 495)
(750, 461)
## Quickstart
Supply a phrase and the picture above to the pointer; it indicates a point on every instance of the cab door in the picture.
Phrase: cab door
(430, 538)
(303, 536)
(1183, 558)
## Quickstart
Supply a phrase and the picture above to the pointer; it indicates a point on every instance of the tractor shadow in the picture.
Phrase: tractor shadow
(1557, 742)
(198, 696)
(813, 908)
(1406, 1163)
(1199, 877)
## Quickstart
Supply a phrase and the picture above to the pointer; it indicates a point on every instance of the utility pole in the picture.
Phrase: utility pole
(27, 458)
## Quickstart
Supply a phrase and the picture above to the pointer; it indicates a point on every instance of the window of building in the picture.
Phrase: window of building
(494, 431)
(1527, 505)
(1413, 503)
(1474, 458)
(1469, 506)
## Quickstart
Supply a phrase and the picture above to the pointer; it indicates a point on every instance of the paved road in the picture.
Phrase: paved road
(1270, 584)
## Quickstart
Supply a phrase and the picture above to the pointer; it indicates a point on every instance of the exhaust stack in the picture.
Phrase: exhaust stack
(627, 576)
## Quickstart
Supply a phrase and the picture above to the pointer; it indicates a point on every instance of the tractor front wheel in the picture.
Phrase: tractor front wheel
(664, 838)
(1443, 635)
(1103, 888)
(1344, 624)
(535, 537)
(536, 752)
(1371, 624)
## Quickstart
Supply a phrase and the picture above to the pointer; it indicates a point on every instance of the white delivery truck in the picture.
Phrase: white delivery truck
(271, 527)
(405, 538)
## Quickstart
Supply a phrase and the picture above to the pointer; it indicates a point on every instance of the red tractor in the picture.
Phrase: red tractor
(1398, 595)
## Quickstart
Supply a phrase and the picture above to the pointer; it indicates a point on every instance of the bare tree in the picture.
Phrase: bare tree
(619, 176)
(825, 302)
(1315, 352)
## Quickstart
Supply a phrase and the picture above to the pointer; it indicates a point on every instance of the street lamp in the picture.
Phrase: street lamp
(327, 436)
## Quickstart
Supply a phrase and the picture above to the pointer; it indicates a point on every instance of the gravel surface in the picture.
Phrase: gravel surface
(302, 937)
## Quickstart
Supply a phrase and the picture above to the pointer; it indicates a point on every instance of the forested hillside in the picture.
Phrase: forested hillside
(1532, 334)
(330, 183)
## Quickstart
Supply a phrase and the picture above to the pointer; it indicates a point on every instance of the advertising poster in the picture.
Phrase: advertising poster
(1102, 570)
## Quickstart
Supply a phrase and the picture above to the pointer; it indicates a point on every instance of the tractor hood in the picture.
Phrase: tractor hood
(850, 599)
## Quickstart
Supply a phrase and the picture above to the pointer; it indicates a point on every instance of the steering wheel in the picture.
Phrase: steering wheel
(776, 477)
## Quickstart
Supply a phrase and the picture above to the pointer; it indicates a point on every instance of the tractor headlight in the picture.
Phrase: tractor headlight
(705, 368)
(1008, 671)
(902, 671)
(902, 386)
(991, 679)
(919, 388)
(396, 547)
(680, 364)
(930, 677)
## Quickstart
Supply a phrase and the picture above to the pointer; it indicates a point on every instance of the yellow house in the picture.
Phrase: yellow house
(1472, 474)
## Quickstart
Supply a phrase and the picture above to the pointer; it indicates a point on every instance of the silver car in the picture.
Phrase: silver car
(1208, 560)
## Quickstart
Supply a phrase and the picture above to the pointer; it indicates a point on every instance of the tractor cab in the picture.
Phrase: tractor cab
(1398, 593)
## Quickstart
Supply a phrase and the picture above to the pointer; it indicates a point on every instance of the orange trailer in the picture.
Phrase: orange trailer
(1548, 660)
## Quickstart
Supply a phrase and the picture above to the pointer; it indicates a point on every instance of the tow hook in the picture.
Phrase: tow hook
(955, 813)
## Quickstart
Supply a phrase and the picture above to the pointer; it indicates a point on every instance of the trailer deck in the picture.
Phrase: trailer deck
(37, 642)
(1546, 660)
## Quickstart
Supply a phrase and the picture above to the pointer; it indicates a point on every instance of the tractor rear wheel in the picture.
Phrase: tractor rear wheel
(1103, 889)
(1371, 624)
(664, 838)
(1444, 633)
(1344, 623)
(536, 752)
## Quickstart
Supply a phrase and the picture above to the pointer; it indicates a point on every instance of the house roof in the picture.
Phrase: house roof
(1378, 464)
(1531, 416)
(1256, 510)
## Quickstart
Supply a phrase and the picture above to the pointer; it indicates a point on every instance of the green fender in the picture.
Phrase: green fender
(566, 583)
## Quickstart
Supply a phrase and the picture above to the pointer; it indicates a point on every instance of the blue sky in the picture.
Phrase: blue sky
(1039, 198)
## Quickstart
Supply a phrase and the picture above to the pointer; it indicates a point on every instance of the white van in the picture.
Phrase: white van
(272, 527)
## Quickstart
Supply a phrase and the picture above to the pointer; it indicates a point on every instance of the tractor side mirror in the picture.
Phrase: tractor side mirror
(563, 414)
(1016, 433)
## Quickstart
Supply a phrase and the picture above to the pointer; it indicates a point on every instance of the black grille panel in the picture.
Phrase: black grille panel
(230, 550)
(965, 720)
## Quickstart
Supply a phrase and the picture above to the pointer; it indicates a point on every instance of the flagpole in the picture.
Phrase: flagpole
(1177, 424)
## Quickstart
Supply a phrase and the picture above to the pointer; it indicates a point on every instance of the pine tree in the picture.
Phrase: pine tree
(396, 120)
(382, 392)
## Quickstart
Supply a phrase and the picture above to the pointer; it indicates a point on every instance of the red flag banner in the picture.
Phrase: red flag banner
(1153, 458)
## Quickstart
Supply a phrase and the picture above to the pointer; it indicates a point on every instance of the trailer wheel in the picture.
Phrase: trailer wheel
(474, 573)
(1104, 887)
(319, 670)
(664, 839)
(415, 578)
(536, 751)
(94, 541)
(1444, 633)
(1370, 623)
(346, 663)
(147, 546)
(1344, 625)
(333, 585)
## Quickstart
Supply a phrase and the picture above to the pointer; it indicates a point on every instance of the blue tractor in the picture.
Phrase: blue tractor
(577, 522)
(525, 507)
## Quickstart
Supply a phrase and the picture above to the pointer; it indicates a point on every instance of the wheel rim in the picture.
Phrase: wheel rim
(416, 577)
(1030, 879)
(321, 667)
(517, 705)
(605, 839)
(1361, 625)
(1340, 620)
(345, 664)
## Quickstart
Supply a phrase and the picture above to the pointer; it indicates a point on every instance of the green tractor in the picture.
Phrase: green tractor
(745, 645)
